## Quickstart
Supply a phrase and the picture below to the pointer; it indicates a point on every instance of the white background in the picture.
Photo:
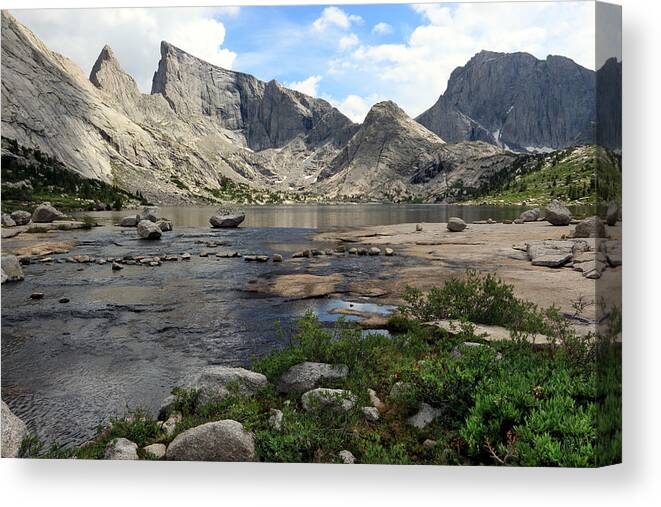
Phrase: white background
(636, 482)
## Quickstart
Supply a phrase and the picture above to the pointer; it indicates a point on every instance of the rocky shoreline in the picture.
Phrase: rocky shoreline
(532, 253)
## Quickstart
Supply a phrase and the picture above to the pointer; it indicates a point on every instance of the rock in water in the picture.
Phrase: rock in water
(13, 430)
(45, 213)
(225, 440)
(129, 221)
(8, 221)
(591, 227)
(456, 224)
(11, 269)
(148, 230)
(149, 213)
(333, 400)
(164, 225)
(612, 214)
(21, 217)
(556, 213)
(121, 448)
(305, 376)
(531, 215)
(226, 219)
(374, 251)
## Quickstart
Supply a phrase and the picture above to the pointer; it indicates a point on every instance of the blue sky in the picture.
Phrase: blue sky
(351, 55)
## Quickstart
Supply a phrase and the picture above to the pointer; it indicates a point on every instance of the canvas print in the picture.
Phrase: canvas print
(356, 234)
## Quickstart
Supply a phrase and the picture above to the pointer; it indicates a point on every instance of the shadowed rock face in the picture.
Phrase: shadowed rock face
(515, 100)
(268, 115)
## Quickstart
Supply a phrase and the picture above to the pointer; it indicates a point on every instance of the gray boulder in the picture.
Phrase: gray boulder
(21, 217)
(149, 213)
(121, 448)
(612, 213)
(226, 219)
(591, 227)
(556, 213)
(425, 416)
(11, 268)
(456, 224)
(323, 399)
(13, 430)
(45, 213)
(216, 382)
(347, 457)
(8, 221)
(308, 375)
(530, 215)
(129, 221)
(225, 440)
(370, 413)
(164, 225)
(155, 450)
(148, 230)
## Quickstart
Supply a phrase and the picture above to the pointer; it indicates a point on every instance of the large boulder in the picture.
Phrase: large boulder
(164, 225)
(550, 253)
(129, 221)
(556, 213)
(45, 213)
(305, 376)
(612, 213)
(323, 399)
(11, 268)
(8, 221)
(456, 224)
(530, 215)
(225, 440)
(149, 230)
(216, 382)
(227, 218)
(21, 217)
(121, 448)
(13, 432)
(591, 227)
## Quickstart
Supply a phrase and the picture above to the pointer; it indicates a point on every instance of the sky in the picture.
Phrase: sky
(351, 55)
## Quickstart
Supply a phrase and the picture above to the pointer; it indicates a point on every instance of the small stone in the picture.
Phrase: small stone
(347, 457)
(374, 251)
(37, 295)
(204, 254)
(275, 420)
(262, 258)
(389, 252)
(277, 258)
(170, 424)
(116, 266)
(424, 417)
(375, 401)
(155, 450)
(353, 251)
(185, 256)
(64, 300)
(418, 228)
(333, 400)
(370, 413)
(429, 444)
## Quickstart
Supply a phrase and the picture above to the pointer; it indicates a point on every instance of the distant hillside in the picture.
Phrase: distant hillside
(578, 175)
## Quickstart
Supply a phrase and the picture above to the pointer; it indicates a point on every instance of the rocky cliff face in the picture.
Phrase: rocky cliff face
(517, 102)
(393, 157)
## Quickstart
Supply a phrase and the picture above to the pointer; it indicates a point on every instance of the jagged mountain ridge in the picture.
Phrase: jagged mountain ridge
(516, 101)
(203, 124)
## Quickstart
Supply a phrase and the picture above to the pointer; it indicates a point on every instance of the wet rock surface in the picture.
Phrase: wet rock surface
(129, 335)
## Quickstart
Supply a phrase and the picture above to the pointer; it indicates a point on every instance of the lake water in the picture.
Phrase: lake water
(126, 338)
(327, 215)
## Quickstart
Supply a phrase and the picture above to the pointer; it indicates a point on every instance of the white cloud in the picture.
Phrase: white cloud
(355, 106)
(133, 34)
(348, 41)
(415, 72)
(309, 86)
(382, 29)
(335, 17)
